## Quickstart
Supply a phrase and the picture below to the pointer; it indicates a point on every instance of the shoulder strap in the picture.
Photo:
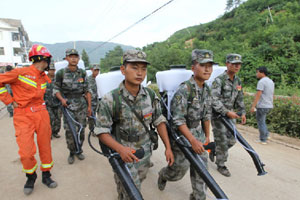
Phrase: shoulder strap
(151, 93)
(116, 113)
(190, 91)
(82, 72)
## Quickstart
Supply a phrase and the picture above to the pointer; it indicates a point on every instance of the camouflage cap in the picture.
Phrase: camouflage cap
(114, 68)
(234, 58)
(135, 56)
(72, 52)
(202, 56)
(96, 67)
(51, 66)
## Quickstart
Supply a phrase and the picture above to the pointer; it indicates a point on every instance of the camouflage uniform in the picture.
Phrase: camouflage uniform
(73, 86)
(53, 108)
(9, 107)
(191, 114)
(93, 88)
(227, 95)
(130, 126)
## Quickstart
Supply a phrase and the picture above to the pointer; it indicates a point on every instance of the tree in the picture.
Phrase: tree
(232, 3)
(85, 58)
(112, 58)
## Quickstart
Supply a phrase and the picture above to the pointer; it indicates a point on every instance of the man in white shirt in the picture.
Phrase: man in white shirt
(263, 102)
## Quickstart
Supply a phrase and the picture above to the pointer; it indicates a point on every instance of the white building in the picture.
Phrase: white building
(14, 42)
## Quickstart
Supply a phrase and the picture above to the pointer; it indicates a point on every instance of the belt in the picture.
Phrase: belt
(73, 95)
(36, 108)
(132, 138)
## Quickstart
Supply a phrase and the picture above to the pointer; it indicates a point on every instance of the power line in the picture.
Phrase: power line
(131, 26)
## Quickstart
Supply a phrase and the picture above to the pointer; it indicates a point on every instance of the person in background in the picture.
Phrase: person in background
(227, 95)
(263, 102)
(53, 104)
(93, 88)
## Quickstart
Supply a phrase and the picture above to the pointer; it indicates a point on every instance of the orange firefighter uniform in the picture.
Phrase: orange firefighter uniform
(31, 116)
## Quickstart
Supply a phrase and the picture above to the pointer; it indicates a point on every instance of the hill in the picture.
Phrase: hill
(58, 49)
(262, 36)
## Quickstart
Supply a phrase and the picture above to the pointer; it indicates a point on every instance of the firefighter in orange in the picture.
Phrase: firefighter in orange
(30, 114)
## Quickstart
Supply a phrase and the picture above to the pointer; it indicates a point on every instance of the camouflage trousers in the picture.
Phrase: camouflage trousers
(224, 141)
(10, 109)
(55, 114)
(138, 173)
(179, 169)
(77, 111)
(91, 121)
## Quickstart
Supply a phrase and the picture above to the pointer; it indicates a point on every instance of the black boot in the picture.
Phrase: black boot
(48, 181)
(29, 185)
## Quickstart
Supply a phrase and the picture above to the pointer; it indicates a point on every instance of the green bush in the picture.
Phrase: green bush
(284, 117)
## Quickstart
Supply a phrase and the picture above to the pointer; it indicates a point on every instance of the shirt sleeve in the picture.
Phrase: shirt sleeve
(260, 85)
(208, 108)
(158, 116)
(7, 78)
(104, 117)
(216, 93)
(57, 83)
(179, 105)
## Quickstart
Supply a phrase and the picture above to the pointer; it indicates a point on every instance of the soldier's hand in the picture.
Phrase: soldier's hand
(243, 119)
(169, 156)
(64, 102)
(197, 146)
(207, 140)
(89, 111)
(252, 110)
(15, 104)
(232, 115)
(127, 155)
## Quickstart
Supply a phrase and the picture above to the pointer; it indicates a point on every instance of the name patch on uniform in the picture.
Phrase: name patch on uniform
(239, 87)
(80, 80)
(147, 116)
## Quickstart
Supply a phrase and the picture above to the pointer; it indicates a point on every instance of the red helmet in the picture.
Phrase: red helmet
(39, 50)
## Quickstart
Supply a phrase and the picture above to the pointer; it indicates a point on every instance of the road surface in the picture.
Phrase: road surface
(92, 178)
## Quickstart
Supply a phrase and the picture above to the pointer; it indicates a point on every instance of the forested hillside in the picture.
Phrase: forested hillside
(261, 36)
(58, 50)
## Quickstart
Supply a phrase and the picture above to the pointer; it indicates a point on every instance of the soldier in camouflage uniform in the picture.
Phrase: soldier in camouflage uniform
(191, 111)
(53, 104)
(71, 86)
(132, 134)
(227, 95)
(9, 107)
(93, 88)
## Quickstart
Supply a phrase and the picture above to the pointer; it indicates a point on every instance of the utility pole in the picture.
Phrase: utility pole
(270, 14)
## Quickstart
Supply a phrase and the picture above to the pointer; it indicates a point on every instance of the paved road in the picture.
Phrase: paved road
(92, 178)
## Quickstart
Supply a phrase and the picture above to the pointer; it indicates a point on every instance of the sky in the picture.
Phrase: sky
(100, 20)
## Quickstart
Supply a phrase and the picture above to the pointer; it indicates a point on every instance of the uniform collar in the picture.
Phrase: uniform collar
(68, 69)
(127, 94)
(228, 78)
(193, 81)
(39, 73)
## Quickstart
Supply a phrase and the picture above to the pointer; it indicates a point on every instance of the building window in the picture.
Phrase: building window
(2, 51)
(17, 51)
(15, 36)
